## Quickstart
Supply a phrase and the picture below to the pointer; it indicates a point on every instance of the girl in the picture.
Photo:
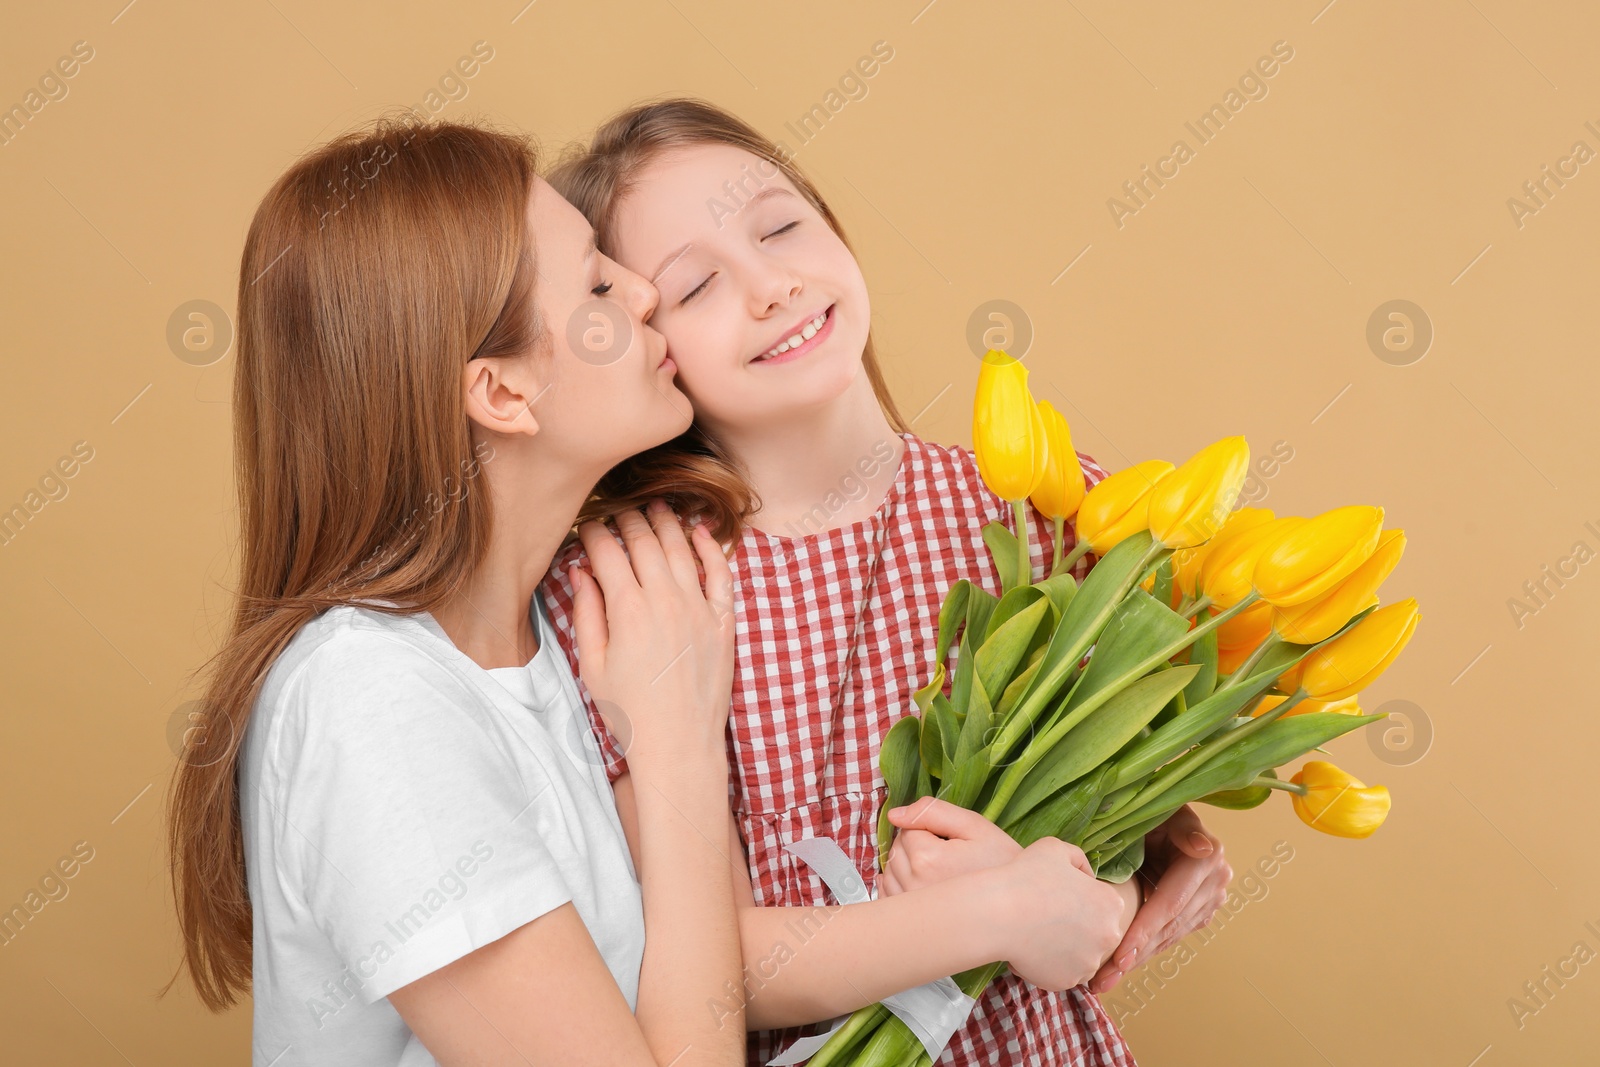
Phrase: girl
(390, 821)
(847, 530)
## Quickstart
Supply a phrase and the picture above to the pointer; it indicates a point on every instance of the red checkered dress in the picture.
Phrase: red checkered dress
(797, 601)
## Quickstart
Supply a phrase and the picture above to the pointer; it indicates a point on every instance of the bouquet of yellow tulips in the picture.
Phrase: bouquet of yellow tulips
(1207, 648)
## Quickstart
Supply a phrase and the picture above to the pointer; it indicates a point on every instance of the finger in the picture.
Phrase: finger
(1106, 978)
(1189, 835)
(674, 545)
(588, 619)
(644, 548)
(719, 577)
(943, 818)
(608, 563)
(888, 884)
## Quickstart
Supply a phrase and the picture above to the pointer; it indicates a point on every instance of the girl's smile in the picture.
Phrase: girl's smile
(798, 342)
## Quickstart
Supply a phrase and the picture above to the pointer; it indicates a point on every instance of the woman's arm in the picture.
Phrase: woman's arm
(658, 651)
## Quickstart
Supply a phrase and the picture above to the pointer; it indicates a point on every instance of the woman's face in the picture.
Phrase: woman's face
(607, 383)
(745, 266)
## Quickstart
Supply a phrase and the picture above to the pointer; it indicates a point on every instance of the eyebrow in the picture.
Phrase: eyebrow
(678, 253)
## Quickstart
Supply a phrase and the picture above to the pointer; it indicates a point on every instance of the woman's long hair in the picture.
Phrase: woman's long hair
(692, 472)
(374, 269)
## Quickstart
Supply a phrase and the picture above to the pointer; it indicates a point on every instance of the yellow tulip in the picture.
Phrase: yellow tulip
(1225, 576)
(1324, 550)
(1191, 503)
(1120, 505)
(1060, 492)
(1347, 706)
(1321, 617)
(1186, 562)
(1337, 802)
(1241, 635)
(1008, 434)
(1351, 661)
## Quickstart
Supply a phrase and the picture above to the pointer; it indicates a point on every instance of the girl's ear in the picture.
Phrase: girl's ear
(500, 394)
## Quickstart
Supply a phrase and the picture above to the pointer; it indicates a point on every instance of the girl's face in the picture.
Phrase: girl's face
(763, 307)
(607, 389)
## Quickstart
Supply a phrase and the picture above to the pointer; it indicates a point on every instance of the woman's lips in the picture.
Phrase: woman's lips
(804, 347)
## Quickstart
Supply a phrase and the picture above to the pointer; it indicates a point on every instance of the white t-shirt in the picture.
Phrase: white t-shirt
(401, 807)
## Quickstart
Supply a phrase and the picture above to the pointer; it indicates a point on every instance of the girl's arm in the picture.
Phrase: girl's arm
(1041, 910)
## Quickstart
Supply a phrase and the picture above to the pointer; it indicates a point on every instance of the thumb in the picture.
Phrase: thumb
(941, 817)
(588, 618)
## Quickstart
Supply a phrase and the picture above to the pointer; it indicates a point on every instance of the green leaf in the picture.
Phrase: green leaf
(930, 743)
(975, 727)
(1093, 741)
(1163, 587)
(1014, 691)
(1064, 815)
(1086, 616)
(952, 613)
(1060, 589)
(1009, 607)
(1275, 744)
(981, 605)
(899, 762)
(1008, 643)
(1118, 867)
(924, 697)
(1204, 653)
(1139, 628)
(1003, 548)
(1195, 724)
(963, 787)
(1240, 799)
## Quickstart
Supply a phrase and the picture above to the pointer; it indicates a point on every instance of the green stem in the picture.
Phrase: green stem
(1061, 529)
(1024, 543)
(1190, 608)
(1242, 672)
(1132, 810)
(1067, 562)
(1037, 749)
(1278, 783)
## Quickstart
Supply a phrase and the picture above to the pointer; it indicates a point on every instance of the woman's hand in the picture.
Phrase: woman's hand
(938, 840)
(1185, 879)
(655, 649)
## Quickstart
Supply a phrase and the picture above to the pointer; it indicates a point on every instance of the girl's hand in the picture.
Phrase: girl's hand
(938, 840)
(655, 650)
(1185, 866)
(1058, 923)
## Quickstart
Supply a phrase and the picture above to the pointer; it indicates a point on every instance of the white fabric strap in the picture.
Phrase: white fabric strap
(934, 1012)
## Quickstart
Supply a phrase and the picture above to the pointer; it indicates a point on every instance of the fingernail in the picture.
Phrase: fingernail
(1200, 841)
(1128, 958)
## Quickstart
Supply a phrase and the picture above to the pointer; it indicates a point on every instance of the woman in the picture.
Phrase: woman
(406, 845)
(847, 531)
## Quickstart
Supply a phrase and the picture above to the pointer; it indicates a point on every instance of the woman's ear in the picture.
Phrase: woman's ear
(501, 392)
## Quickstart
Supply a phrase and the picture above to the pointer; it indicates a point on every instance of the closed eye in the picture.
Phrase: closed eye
(602, 289)
(783, 229)
(696, 291)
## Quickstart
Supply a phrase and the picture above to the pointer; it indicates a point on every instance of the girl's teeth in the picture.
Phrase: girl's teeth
(806, 333)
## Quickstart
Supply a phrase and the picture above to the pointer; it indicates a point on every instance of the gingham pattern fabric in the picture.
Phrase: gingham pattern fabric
(797, 601)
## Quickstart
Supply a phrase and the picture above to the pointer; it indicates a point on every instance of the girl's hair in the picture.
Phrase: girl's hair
(692, 472)
(374, 269)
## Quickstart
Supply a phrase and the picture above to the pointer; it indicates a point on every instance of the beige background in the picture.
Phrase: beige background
(977, 167)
